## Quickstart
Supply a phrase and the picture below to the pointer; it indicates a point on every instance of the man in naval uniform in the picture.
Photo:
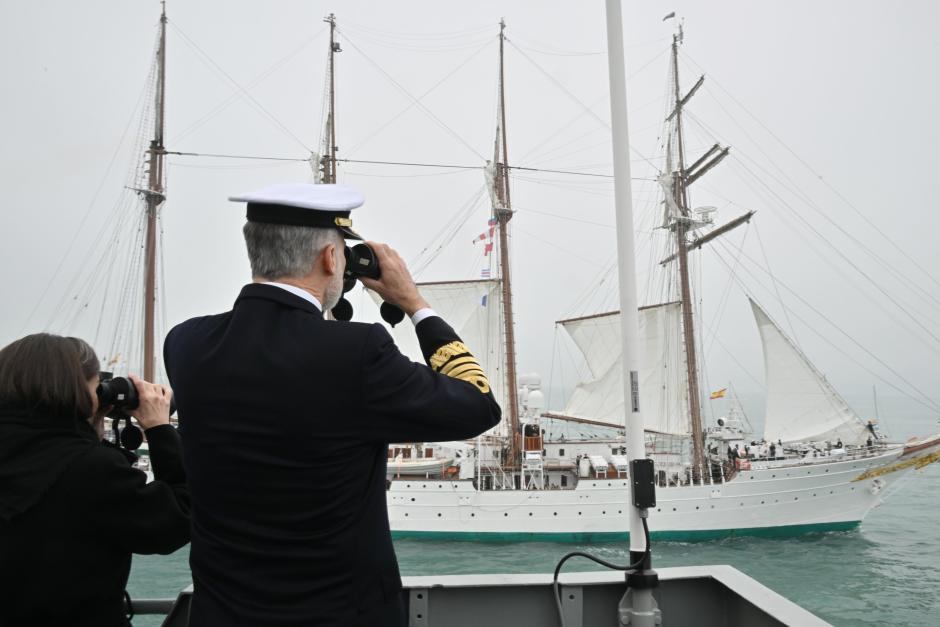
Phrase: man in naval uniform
(286, 417)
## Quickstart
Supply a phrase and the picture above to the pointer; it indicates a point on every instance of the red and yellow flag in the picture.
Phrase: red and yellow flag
(718, 394)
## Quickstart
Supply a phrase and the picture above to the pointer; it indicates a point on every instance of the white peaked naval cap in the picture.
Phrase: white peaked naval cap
(323, 205)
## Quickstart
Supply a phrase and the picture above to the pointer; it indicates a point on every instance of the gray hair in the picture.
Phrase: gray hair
(284, 251)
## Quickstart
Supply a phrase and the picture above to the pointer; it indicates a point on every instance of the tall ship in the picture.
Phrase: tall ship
(817, 465)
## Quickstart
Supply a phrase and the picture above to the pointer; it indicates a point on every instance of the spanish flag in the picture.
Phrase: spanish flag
(718, 394)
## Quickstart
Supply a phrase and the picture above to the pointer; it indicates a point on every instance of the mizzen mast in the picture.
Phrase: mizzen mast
(154, 196)
(502, 211)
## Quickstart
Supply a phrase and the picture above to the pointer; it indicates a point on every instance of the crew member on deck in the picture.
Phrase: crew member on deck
(286, 419)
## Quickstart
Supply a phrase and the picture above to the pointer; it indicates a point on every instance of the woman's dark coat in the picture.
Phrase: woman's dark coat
(72, 511)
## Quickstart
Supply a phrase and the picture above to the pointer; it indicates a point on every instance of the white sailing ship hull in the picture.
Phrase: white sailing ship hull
(768, 499)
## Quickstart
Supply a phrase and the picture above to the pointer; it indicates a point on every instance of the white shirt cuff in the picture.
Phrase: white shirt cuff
(421, 314)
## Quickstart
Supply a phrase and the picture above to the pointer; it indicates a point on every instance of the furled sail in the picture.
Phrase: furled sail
(474, 310)
(663, 376)
(801, 404)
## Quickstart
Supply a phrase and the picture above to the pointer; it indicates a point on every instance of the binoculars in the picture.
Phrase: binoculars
(361, 261)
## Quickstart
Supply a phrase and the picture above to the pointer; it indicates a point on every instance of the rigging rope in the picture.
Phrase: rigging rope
(835, 191)
(927, 402)
(417, 102)
(251, 99)
(252, 83)
(94, 199)
(577, 100)
(369, 136)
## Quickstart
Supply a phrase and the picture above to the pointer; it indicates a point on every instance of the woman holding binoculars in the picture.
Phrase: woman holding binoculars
(72, 508)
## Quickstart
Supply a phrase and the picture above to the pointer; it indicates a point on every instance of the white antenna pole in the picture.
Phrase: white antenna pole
(637, 607)
(626, 263)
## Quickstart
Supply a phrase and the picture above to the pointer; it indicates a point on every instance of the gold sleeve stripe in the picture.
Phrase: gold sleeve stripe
(466, 369)
(455, 360)
(460, 361)
(446, 353)
(476, 378)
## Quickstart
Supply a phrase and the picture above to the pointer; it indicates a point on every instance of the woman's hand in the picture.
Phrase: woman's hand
(154, 407)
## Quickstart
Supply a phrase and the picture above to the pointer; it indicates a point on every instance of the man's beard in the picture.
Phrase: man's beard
(333, 292)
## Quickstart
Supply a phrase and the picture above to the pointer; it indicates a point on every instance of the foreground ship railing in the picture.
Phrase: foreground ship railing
(706, 596)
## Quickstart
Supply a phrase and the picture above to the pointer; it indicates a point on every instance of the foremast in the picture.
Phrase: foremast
(684, 223)
(155, 197)
(502, 212)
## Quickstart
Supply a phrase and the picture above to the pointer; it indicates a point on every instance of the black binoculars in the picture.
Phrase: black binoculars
(362, 261)
(119, 395)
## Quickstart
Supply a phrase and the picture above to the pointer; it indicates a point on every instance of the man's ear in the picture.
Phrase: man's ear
(328, 259)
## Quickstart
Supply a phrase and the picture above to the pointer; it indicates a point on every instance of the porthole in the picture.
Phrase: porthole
(554, 513)
(438, 514)
(412, 499)
(530, 513)
(505, 513)
(473, 515)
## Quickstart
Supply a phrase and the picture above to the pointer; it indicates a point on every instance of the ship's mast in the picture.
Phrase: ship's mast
(682, 224)
(503, 213)
(328, 159)
(154, 195)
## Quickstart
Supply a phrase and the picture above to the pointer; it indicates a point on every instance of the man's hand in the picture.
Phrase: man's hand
(154, 407)
(395, 285)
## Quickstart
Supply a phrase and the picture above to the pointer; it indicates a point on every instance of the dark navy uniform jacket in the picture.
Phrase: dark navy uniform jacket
(285, 420)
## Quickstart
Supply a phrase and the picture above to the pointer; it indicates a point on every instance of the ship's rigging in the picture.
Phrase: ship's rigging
(152, 189)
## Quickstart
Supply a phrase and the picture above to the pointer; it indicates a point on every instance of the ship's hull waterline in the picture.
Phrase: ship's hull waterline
(768, 500)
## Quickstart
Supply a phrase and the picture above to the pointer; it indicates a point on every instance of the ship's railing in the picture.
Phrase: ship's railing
(705, 596)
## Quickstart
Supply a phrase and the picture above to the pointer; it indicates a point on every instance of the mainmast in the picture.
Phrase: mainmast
(154, 195)
(328, 158)
(503, 214)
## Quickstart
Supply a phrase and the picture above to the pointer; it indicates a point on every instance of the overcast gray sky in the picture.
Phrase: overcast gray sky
(829, 109)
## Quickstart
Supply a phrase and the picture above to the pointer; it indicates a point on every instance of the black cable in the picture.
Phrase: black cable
(611, 565)
(128, 606)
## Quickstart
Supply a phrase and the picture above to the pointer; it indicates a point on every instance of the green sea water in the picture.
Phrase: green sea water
(885, 572)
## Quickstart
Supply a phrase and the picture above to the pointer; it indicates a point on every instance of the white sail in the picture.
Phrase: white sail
(663, 375)
(801, 405)
(474, 310)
